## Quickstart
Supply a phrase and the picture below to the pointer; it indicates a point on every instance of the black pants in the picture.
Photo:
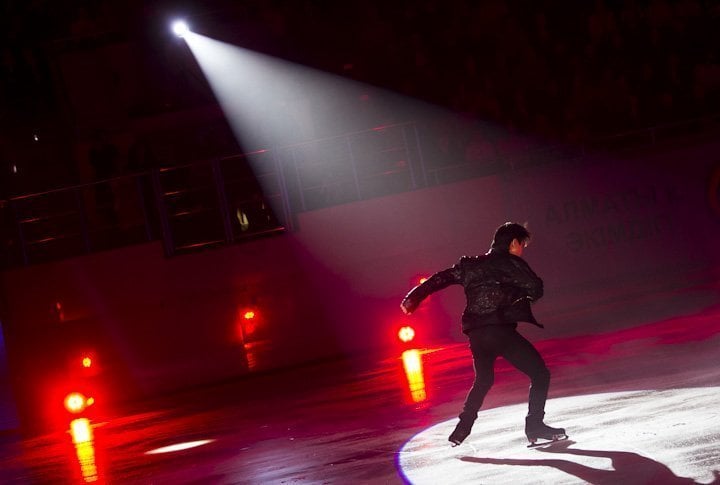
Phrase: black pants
(492, 341)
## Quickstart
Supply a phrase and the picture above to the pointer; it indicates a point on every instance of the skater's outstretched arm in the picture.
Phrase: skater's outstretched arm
(438, 281)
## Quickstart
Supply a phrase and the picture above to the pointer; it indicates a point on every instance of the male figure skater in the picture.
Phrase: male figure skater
(499, 287)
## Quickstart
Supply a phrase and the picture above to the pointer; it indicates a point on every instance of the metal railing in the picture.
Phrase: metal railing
(233, 199)
(352, 167)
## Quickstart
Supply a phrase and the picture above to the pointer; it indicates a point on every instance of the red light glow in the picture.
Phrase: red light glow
(247, 321)
(422, 280)
(406, 334)
(82, 436)
(81, 431)
(59, 311)
(87, 362)
(77, 403)
(412, 363)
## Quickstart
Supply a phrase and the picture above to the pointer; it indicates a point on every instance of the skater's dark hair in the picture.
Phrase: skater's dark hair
(509, 231)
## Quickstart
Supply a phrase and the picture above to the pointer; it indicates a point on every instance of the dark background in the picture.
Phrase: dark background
(594, 121)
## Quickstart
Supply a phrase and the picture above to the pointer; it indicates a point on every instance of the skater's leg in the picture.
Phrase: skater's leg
(484, 357)
(484, 367)
(521, 353)
(484, 377)
(484, 344)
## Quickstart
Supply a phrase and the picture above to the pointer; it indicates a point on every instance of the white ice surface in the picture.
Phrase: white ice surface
(623, 437)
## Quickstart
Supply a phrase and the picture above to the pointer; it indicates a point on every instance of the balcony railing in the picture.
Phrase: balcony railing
(230, 200)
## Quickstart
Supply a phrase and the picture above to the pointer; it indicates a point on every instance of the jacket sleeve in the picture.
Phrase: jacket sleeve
(438, 281)
(525, 279)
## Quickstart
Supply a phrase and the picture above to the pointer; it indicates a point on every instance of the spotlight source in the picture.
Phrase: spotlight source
(406, 334)
(180, 28)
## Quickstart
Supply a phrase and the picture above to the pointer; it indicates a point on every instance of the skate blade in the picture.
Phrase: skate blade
(544, 442)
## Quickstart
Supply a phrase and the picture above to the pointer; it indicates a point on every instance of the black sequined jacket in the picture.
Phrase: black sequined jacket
(499, 288)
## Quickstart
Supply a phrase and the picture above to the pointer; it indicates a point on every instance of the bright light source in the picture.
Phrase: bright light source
(249, 315)
(422, 280)
(406, 334)
(180, 28)
(77, 403)
(178, 447)
(87, 362)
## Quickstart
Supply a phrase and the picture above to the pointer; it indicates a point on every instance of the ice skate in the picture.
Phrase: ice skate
(462, 431)
(539, 433)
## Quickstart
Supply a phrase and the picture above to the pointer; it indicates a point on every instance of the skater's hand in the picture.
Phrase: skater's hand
(407, 307)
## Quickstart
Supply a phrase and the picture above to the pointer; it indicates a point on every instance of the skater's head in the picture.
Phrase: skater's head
(511, 237)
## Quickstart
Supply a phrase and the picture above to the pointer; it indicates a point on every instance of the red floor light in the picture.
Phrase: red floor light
(406, 334)
(247, 320)
(76, 402)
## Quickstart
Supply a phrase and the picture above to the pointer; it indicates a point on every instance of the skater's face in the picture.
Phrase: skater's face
(516, 247)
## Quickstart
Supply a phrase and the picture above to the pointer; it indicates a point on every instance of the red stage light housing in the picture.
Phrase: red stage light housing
(406, 334)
